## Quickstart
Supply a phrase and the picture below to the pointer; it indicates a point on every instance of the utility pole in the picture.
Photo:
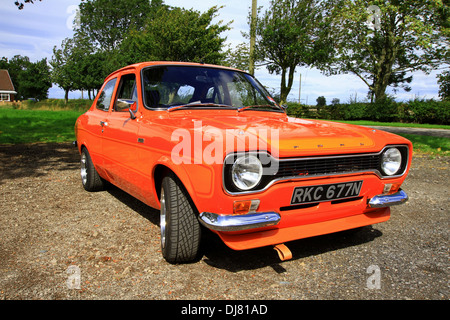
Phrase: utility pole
(300, 91)
(251, 67)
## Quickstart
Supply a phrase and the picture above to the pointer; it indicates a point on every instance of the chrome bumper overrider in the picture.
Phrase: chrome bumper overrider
(219, 222)
(383, 200)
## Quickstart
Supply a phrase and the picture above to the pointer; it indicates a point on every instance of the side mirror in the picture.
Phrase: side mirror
(132, 115)
(123, 104)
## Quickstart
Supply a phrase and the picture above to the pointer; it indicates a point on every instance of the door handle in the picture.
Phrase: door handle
(103, 123)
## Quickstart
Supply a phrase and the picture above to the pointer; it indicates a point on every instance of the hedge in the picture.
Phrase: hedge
(414, 111)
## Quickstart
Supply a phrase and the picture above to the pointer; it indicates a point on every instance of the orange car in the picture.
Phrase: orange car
(210, 148)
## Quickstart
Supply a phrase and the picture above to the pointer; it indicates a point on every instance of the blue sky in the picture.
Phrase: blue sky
(36, 29)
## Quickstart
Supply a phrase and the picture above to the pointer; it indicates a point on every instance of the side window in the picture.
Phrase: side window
(127, 91)
(104, 100)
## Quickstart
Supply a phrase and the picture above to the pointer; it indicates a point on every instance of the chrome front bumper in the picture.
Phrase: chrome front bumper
(219, 222)
(387, 200)
(248, 221)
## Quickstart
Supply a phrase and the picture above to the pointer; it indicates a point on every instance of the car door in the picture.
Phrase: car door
(96, 122)
(120, 134)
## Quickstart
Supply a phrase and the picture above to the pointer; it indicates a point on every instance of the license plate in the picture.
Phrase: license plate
(326, 192)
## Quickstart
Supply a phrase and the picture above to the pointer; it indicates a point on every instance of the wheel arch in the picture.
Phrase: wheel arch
(159, 172)
(82, 146)
(162, 169)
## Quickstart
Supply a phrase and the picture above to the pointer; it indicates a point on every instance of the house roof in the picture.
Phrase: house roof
(6, 85)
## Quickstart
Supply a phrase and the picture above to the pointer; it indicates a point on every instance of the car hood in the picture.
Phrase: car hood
(284, 135)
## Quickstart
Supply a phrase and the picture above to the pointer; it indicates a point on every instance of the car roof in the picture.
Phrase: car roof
(141, 65)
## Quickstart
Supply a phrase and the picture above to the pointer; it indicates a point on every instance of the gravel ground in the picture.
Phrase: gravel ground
(53, 234)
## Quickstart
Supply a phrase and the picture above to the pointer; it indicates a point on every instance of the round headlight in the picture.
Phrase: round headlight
(246, 172)
(391, 161)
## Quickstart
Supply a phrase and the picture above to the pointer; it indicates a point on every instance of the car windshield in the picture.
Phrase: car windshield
(179, 87)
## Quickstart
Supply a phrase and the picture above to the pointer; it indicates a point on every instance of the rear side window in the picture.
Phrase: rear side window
(104, 100)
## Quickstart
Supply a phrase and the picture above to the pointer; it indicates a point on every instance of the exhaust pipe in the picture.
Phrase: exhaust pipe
(283, 252)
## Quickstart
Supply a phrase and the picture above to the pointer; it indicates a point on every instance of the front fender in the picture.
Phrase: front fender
(198, 180)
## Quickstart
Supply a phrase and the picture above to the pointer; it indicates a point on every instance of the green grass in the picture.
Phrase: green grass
(395, 124)
(437, 146)
(429, 145)
(29, 126)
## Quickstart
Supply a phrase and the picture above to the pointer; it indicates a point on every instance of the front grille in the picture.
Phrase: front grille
(326, 166)
(275, 170)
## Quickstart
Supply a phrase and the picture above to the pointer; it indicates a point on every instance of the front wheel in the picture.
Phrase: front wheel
(180, 228)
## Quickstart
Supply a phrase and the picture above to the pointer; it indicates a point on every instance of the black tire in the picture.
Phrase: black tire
(89, 176)
(180, 228)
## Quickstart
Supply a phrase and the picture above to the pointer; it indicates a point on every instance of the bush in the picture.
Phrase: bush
(386, 111)
(428, 111)
(415, 111)
(353, 111)
(301, 110)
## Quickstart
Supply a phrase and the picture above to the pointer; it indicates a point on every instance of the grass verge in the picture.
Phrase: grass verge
(395, 124)
(30, 126)
(49, 105)
(437, 146)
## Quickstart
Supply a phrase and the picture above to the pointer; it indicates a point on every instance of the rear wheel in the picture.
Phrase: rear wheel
(89, 177)
(180, 228)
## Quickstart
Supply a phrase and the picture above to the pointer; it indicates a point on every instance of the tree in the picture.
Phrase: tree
(321, 101)
(91, 65)
(76, 65)
(382, 41)
(335, 101)
(176, 34)
(15, 67)
(107, 22)
(30, 79)
(93, 69)
(444, 85)
(237, 57)
(63, 69)
(20, 5)
(35, 80)
(286, 37)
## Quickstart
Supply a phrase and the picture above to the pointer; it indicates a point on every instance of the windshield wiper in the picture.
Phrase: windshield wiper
(198, 104)
(260, 106)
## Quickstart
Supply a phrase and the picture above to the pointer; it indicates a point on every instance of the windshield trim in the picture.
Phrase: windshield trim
(259, 87)
(257, 108)
(201, 105)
